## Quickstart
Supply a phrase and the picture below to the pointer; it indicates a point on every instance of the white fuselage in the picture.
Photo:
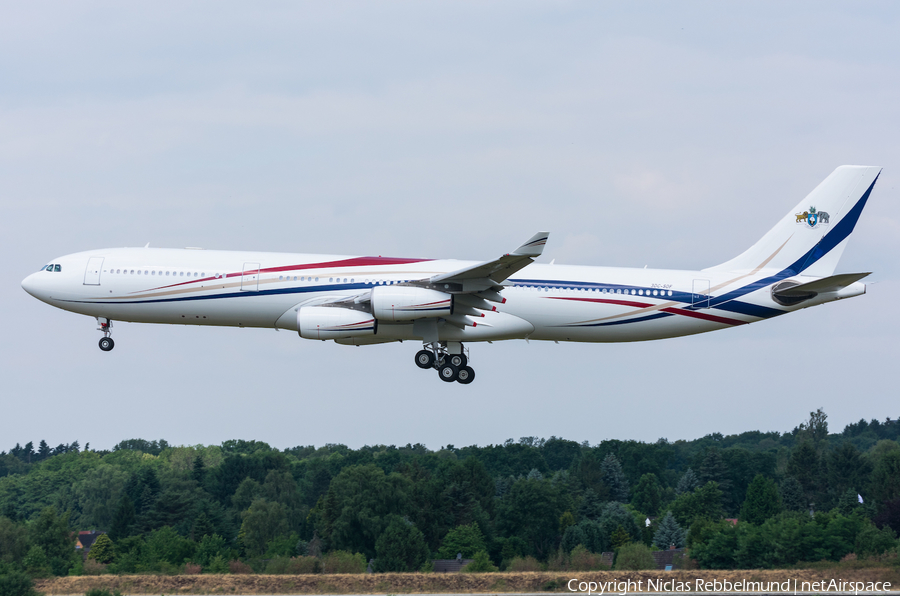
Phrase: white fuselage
(543, 302)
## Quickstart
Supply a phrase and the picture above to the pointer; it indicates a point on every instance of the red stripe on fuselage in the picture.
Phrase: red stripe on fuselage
(604, 301)
(357, 262)
(704, 316)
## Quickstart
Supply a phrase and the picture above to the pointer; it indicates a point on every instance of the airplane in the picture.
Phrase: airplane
(446, 304)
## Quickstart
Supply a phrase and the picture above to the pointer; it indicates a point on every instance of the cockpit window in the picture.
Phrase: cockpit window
(57, 268)
(51, 267)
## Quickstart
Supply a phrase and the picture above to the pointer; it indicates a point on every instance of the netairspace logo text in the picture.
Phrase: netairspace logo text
(630, 586)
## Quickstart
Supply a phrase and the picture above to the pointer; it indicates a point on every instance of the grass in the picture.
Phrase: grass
(406, 583)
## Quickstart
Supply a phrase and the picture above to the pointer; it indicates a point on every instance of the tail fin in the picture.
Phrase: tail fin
(811, 237)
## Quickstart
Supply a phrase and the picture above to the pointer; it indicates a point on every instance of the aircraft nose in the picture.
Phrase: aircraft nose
(30, 285)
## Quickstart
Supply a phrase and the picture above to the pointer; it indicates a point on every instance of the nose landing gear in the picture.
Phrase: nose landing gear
(106, 342)
(450, 366)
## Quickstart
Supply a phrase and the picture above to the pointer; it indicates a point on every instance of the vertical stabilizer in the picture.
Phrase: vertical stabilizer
(812, 236)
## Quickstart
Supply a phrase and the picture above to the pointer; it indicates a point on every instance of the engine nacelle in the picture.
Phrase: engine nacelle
(405, 303)
(325, 322)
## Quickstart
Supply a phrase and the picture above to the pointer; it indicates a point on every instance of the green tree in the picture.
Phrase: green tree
(614, 516)
(13, 542)
(247, 491)
(124, 518)
(99, 493)
(591, 505)
(36, 562)
(589, 474)
(871, 541)
(166, 545)
(713, 469)
(668, 533)
(51, 532)
(102, 550)
(704, 502)
(595, 539)
(762, 502)
(466, 539)
(647, 494)
(481, 563)
(848, 502)
(401, 547)
(210, 547)
(792, 497)
(530, 511)
(363, 499)
(635, 556)
(619, 538)
(614, 478)
(202, 527)
(263, 522)
(16, 583)
(886, 477)
(804, 465)
(815, 430)
(687, 483)
(572, 537)
(847, 469)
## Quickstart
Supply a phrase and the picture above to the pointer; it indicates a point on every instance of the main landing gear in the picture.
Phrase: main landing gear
(106, 342)
(450, 366)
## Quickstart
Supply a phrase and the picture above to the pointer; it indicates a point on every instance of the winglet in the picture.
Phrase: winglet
(534, 247)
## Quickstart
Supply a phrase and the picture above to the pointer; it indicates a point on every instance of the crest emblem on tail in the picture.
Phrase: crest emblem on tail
(812, 218)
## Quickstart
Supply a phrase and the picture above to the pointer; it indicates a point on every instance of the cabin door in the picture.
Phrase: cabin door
(92, 272)
(250, 277)
(700, 296)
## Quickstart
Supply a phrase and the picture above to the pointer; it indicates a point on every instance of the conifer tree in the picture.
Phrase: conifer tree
(619, 538)
(713, 469)
(614, 478)
(123, 519)
(591, 505)
(762, 502)
(792, 498)
(687, 483)
(102, 550)
(669, 533)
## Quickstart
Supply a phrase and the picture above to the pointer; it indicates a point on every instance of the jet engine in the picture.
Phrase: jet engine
(405, 303)
(329, 322)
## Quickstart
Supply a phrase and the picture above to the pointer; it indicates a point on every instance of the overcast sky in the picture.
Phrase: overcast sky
(654, 133)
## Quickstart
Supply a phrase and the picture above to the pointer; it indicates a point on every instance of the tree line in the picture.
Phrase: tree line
(753, 500)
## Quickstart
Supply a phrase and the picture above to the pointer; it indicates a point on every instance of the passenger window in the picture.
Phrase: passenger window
(330, 279)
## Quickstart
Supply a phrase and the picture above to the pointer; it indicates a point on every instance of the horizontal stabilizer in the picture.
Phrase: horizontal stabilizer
(824, 285)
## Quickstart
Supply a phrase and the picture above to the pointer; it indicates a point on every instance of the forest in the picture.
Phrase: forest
(746, 501)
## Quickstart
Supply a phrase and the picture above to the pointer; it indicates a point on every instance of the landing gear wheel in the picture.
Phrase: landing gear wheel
(448, 373)
(466, 375)
(424, 359)
(458, 360)
(107, 344)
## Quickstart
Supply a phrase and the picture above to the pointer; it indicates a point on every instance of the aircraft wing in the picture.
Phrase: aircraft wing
(489, 274)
